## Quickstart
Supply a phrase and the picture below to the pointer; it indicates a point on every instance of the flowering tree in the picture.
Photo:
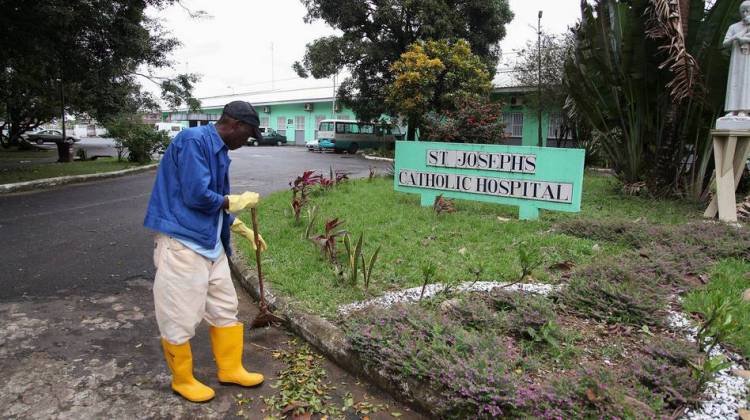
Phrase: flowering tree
(434, 76)
(475, 120)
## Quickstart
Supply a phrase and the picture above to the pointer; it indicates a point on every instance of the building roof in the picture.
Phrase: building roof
(268, 97)
(503, 82)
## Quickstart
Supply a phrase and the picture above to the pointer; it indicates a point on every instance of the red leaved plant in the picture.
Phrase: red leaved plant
(327, 240)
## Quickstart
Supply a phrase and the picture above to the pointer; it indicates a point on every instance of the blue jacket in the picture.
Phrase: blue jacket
(189, 190)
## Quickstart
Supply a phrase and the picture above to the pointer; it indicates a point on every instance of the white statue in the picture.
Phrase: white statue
(738, 86)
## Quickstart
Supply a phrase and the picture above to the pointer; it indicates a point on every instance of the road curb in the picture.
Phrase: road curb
(329, 339)
(42, 184)
(378, 158)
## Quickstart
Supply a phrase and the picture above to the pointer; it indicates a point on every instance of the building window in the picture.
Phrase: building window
(264, 122)
(513, 123)
(299, 122)
(281, 123)
(554, 130)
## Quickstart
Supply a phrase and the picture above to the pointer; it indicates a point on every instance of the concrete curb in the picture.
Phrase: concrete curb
(378, 158)
(329, 340)
(40, 184)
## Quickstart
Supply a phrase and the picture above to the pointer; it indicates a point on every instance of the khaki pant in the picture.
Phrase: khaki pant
(188, 288)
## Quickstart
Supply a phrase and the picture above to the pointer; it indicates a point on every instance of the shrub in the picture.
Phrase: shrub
(587, 394)
(140, 140)
(475, 120)
(665, 370)
(468, 372)
(471, 313)
(523, 312)
(712, 240)
(614, 295)
(633, 234)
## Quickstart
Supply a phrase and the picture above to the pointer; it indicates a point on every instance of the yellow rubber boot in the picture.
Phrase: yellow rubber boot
(180, 362)
(227, 344)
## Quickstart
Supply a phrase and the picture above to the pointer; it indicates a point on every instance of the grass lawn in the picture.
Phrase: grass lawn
(15, 155)
(729, 279)
(412, 236)
(51, 170)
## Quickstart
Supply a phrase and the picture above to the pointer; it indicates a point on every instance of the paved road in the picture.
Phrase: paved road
(90, 237)
(78, 337)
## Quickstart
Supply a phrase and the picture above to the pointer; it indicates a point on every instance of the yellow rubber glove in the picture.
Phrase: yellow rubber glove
(241, 228)
(239, 202)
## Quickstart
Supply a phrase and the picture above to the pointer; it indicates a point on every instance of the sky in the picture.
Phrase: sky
(245, 44)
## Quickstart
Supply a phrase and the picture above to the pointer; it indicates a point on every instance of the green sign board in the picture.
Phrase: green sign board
(531, 178)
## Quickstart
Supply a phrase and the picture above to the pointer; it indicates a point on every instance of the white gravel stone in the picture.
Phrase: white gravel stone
(727, 392)
(412, 295)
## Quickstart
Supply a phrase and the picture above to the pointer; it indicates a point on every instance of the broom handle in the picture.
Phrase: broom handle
(254, 214)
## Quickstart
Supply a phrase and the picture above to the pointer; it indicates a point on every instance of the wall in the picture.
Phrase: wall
(530, 133)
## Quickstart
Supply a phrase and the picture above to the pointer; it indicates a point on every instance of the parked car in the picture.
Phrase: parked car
(270, 136)
(50, 136)
(312, 145)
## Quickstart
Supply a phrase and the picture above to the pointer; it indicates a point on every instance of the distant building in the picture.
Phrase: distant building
(521, 126)
(297, 113)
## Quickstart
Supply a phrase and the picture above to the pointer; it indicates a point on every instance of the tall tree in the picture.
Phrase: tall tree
(91, 50)
(432, 76)
(555, 50)
(650, 77)
(376, 32)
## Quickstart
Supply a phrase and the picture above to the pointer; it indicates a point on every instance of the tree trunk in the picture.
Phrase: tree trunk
(64, 151)
(684, 6)
(14, 134)
(411, 133)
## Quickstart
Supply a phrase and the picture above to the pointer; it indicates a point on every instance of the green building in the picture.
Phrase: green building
(297, 113)
(522, 122)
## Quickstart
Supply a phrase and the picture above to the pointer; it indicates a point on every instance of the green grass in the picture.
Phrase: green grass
(15, 155)
(602, 199)
(412, 236)
(51, 170)
(729, 279)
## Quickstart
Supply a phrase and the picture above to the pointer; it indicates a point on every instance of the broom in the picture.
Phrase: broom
(265, 317)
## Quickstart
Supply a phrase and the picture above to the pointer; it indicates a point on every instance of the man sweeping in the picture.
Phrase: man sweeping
(192, 212)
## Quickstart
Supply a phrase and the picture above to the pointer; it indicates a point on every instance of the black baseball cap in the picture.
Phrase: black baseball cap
(243, 111)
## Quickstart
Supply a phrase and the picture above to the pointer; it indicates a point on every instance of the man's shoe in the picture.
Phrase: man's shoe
(227, 343)
(180, 362)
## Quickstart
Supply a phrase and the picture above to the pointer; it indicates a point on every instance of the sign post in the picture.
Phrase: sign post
(531, 178)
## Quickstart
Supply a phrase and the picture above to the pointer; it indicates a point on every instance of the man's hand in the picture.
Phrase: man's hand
(240, 227)
(236, 203)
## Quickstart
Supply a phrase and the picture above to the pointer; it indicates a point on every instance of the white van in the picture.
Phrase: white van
(171, 128)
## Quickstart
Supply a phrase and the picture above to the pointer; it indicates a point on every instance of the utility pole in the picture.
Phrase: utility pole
(539, 75)
(273, 79)
(333, 107)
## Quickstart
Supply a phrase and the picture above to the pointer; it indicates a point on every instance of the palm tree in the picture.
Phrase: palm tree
(650, 77)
